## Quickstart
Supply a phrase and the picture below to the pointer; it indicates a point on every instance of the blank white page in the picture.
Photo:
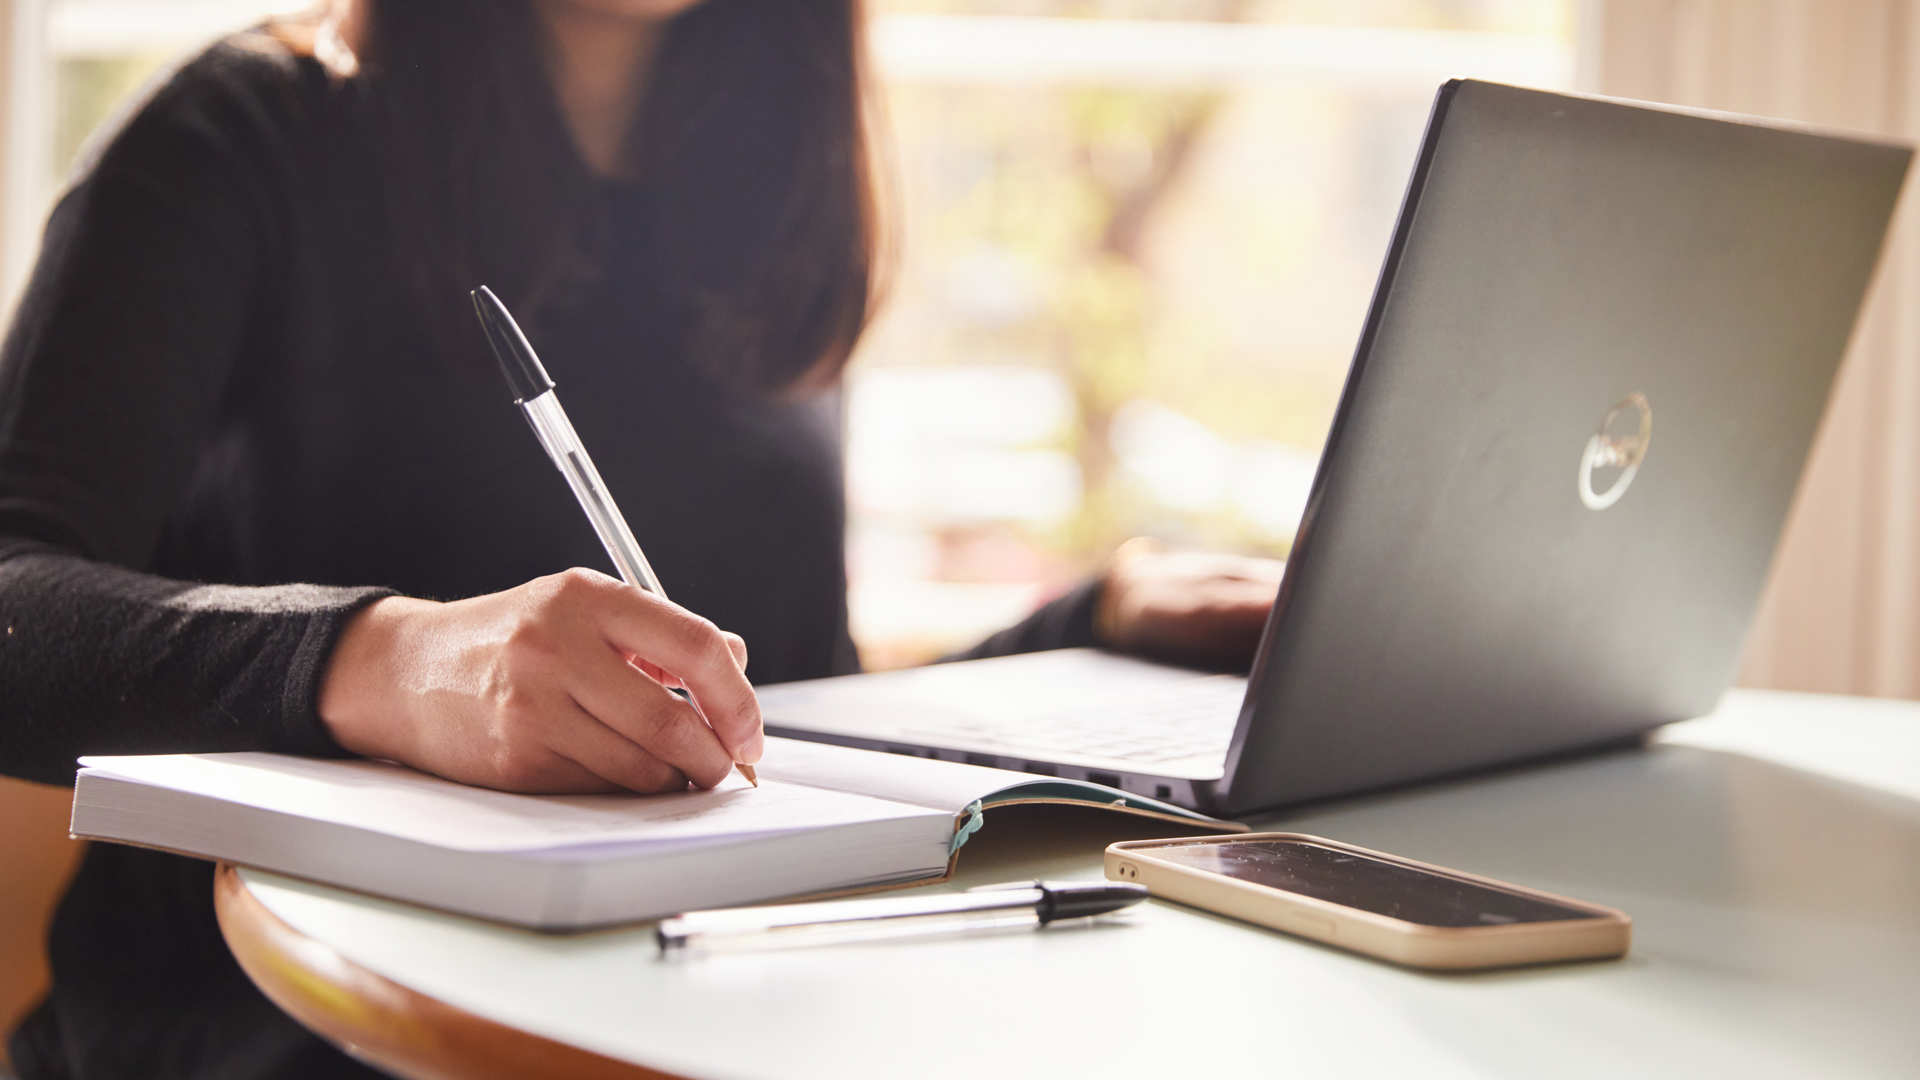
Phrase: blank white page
(942, 785)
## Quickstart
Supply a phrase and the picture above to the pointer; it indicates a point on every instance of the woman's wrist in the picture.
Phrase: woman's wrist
(357, 702)
(1110, 610)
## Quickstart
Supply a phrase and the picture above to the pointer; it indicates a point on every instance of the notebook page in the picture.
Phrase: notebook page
(392, 799)
(944, 785)
(940, 785)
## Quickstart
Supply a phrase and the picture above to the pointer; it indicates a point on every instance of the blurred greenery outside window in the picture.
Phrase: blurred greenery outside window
(1136, 240)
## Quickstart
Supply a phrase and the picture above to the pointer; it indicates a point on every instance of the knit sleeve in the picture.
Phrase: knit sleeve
(1063, 622)
(112, 378)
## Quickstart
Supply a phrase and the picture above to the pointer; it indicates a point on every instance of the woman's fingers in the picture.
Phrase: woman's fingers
(612, 757)
(1228, 622)
(736, 645)
(544, 771)
(1194, 607)
(684, 645)
(649, 716)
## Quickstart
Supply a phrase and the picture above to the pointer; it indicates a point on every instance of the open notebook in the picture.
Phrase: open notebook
(825, 818)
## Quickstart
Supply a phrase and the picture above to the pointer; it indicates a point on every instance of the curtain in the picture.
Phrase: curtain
(1841, 612)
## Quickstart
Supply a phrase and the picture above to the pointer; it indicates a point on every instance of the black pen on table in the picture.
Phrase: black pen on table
(533, 392)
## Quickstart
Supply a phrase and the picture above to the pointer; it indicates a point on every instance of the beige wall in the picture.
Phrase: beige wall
(24, 126)
(1842, 612)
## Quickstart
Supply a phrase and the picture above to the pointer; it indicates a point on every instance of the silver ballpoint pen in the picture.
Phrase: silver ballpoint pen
(533, 392)
(1015, 904)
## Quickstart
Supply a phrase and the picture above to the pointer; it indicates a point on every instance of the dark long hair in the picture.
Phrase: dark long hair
(750, 147)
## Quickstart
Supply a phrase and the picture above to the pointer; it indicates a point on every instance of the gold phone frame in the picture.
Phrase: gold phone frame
(1606, 934)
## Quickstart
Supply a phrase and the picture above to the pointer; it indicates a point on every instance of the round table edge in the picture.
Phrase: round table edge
(381, 1021)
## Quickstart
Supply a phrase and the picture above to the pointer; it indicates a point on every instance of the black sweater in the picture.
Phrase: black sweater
(214, 387)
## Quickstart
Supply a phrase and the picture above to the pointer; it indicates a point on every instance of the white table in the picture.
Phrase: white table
(1769, 856)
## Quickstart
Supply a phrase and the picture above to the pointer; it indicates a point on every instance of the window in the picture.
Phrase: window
(71, 62)
(1139, 240)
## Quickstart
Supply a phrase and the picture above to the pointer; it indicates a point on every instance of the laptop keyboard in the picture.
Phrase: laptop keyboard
(1183, 719)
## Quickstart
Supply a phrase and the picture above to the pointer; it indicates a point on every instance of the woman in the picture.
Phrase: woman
(246, 357)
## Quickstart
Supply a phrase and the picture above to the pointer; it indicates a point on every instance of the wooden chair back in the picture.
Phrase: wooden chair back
(37, 859)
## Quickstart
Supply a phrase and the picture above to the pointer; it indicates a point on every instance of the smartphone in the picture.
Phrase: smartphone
(1396, 909)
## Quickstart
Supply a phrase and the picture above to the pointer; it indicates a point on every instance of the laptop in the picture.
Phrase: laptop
(1600, 345)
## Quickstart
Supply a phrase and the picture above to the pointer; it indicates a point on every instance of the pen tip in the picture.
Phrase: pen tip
(747, 771)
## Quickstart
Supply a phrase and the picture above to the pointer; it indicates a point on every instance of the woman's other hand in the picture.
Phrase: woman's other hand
(1191, 607)
(553, 686)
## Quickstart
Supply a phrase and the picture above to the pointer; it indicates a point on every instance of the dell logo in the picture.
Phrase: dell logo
(1615, 452)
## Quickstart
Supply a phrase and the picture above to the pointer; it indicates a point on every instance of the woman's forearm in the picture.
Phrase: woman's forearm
(99, 659)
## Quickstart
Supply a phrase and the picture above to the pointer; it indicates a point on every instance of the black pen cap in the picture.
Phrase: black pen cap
(1073, 900)
(524, 374)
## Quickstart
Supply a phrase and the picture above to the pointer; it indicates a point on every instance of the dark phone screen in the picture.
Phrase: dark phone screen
(1369, 884)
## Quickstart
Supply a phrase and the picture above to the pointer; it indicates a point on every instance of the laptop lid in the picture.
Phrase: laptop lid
(1601, 341)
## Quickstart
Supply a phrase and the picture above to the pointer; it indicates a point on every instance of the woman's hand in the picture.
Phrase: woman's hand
(554, 686)
(1191, 607)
